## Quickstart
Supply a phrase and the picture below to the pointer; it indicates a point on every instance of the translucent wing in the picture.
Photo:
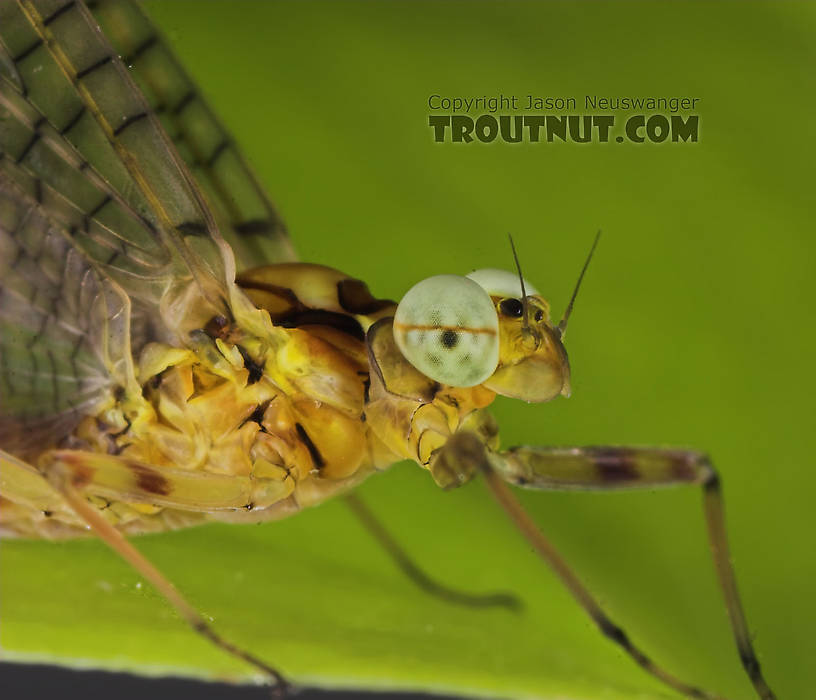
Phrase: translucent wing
(104, 233)
(64, 328)
(75, 123)
(71, 192)
(246, 217)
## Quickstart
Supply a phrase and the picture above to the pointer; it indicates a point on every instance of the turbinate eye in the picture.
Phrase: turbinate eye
(447, 327)
(501, 283)
(511, 307)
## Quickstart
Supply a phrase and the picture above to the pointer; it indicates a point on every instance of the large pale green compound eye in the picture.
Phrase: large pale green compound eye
(447, 327)
(501, 283)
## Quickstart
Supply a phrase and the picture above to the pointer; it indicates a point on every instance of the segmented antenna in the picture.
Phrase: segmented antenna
(525, 323)
(561, 328)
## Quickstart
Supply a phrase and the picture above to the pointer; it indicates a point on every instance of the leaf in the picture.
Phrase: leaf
(692, 328)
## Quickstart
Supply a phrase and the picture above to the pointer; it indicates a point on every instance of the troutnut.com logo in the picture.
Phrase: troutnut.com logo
(553, 119)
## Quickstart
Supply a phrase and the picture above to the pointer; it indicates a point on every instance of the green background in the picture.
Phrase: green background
(694, 327)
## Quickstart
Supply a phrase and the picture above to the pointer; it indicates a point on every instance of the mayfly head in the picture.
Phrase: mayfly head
(491, 327)
(533, 364)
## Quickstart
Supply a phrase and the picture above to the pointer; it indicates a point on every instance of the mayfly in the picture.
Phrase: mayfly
(164, 361)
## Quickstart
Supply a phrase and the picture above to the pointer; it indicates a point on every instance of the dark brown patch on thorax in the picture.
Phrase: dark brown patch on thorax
(314, 453)
(255, 370)
(217, 327)
(355, 297)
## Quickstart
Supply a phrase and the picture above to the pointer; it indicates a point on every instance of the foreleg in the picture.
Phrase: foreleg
(604, 468)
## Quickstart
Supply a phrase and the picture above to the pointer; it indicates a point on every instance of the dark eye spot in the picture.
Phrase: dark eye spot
(449, 339)
(539, 315)
(511, 307)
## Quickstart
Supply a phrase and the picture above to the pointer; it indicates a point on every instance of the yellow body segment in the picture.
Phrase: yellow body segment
(240, 428)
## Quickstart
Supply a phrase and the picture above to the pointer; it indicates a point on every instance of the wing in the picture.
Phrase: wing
(64, 328)
(246, 217)
(75, 123)
(102, 227)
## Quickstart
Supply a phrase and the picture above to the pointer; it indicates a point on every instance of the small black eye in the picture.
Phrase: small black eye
(539, 315)
(511, 307)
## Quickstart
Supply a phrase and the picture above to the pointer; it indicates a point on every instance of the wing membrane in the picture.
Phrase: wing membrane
(247, 218)
(64, 328)
(97, 218)
(105, 238)
(62, 65)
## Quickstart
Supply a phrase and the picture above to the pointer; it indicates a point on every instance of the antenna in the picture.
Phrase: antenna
(525, 321)
(561, 328)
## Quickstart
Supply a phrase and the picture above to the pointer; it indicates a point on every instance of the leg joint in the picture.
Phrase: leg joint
(711, 479)
(613, 632)
(201, 627)
(750, 663)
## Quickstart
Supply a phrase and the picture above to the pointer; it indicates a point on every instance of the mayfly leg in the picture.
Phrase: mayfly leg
(68, 477)
(607, 468)
(609, 628)
(416, 574)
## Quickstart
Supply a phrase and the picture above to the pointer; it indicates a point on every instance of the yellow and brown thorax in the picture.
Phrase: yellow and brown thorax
(320, 407)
